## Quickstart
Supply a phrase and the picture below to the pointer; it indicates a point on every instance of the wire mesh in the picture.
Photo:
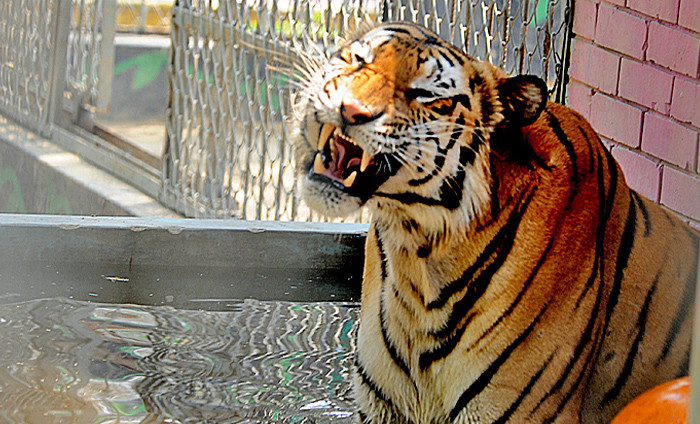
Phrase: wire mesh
(227, 152)
(25, 44)
(29, 51)
(90, 54)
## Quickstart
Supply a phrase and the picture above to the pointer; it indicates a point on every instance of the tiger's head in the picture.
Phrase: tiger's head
(400, 121)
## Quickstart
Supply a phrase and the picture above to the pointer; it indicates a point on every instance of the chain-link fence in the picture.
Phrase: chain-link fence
(90, 55)
(228, 153)
(53, 54)
(25, 73)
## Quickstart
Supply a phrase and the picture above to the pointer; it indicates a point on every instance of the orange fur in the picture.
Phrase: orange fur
(510, 273)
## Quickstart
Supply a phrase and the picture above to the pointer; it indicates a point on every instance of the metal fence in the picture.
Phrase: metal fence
(228, 154)
(54, 54)
(25, 75)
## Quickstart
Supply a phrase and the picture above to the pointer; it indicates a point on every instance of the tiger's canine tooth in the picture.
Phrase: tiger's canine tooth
(318, 164)
(326, 131)
(350, 179)
(366, 158)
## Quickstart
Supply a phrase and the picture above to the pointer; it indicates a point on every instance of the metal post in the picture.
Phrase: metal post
(142, 19)
(105, 69)
(62, 12)
(694, 407)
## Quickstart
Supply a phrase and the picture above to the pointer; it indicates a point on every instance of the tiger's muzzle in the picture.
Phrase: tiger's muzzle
(342, 163)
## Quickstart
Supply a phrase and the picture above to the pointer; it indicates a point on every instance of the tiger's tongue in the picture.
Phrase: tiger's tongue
(346, 157)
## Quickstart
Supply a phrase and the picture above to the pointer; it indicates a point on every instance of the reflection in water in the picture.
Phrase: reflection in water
(63, 361)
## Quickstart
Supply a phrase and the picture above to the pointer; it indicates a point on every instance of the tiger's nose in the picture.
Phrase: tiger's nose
(354, 112)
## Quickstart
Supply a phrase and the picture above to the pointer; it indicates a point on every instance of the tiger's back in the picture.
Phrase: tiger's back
(627, 270)
(510, 274)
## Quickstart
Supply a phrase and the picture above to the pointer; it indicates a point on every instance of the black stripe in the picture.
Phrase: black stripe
(447, 58)
(624, 250)
(476, 80)
(485, 377)
(393, 353)
(462, 99)
(626, 371)
(645, 212)
(524, 392)
(685, 364)
(564, 140)
(475, 289)
(600, 234)
(606, 209)
(373, 387)
(612, 171)
(450, 190)
(683, 312)
(426, 359)
(575, 385)
(414, 93)
(398, 30)
(507, 231)
(522, 291)
(590, 146)
(382, 256)
(421, 181)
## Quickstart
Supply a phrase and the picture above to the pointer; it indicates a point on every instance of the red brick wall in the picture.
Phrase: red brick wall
(635, 74)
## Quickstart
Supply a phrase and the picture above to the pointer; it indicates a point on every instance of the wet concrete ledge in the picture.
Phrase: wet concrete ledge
(200, 264)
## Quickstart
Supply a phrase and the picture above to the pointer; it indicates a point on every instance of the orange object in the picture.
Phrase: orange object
(666, 403)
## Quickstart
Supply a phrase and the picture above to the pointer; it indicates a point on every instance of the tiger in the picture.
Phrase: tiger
(510, 274)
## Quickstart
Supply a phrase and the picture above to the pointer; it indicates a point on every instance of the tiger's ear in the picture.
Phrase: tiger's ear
(523, 97)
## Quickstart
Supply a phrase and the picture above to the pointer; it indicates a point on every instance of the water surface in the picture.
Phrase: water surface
(65, 361)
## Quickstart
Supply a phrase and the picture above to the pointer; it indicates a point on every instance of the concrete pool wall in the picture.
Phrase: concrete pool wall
(192, 264)
(183, 263)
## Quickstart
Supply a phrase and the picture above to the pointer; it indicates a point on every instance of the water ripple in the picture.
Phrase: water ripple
(64, 361)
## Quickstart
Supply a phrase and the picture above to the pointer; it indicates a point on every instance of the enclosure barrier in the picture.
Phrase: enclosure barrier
(232, 83)
(54, 54)
(232, 67)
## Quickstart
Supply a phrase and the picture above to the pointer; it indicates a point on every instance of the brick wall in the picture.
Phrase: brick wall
(635, 74)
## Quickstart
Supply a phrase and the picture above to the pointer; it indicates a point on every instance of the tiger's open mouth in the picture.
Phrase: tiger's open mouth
(341, 162)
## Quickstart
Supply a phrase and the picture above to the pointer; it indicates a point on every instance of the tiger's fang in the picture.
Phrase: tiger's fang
(326, 131)
(319, 168)
(350, 179)
(366, 158)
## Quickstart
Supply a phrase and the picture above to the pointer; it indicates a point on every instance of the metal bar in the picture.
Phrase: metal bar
(563, 77)
(694, 408)
(105, 70)
(63, 15)
(100, 153)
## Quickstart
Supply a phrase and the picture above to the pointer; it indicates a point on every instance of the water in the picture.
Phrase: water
(64, 361)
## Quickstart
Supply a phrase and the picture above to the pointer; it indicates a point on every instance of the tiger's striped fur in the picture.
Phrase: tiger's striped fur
(510, 273)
